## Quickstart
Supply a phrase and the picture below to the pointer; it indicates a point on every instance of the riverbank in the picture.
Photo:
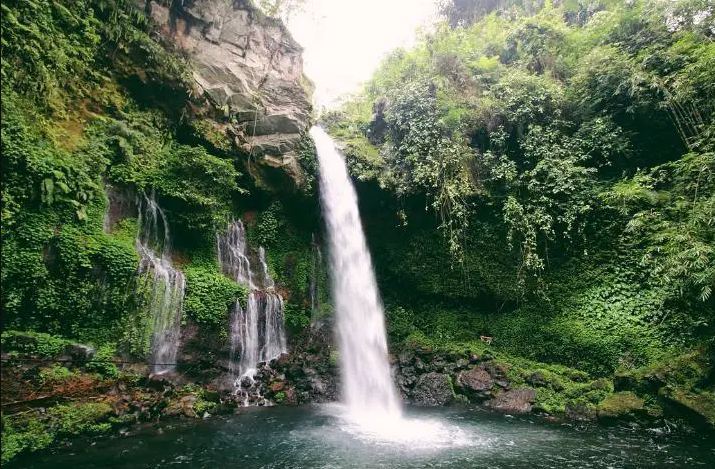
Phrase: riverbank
(54, 394)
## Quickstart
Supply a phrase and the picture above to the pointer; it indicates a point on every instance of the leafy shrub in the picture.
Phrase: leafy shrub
(54, 374)
(102, 362)
(210, 295)
(33, 343)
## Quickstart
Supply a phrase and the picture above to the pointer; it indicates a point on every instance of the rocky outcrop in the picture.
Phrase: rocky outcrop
(515, 401)
(250, 70)
(309, 373)
(433, 389)
(620, 405)
(477, 382)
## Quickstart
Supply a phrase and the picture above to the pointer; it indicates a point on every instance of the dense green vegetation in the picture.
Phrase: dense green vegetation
(539, 172)
(543, 173)
(92, 101)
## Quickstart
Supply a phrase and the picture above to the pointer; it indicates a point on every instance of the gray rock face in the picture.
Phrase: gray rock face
(515, 401)
(249, 67)
(433, 389)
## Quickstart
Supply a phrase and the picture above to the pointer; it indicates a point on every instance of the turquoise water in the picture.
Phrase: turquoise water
(316, 437)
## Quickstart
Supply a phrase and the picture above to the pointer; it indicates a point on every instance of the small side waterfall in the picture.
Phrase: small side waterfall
(257, 333)
(368, 390)
(233, 254)
(166, 284)
(315, 273)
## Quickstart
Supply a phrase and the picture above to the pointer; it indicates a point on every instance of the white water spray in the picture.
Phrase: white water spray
(368, 390)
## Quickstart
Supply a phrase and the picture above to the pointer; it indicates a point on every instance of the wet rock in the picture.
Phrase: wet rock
(317, 385)
(433, 389)
(461, 364)
(290, 396)
(476, 382)
(377, 128)
(579, 412)
(515, 401)
(405, 357)
(80, 352)
(419, 364)
(498, 374)
(474, 358)
(183, 406)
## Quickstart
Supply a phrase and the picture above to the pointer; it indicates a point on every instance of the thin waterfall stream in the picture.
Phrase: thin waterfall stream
(166, 284)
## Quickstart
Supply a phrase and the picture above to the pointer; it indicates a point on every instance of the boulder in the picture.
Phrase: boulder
(579, 412)
(183, 406)
(515, 401)
(461, 364)
(620, 405)
(476, 382)
(277, 386)
(433, 389)
(498, 374)
(537, 379)
(405, 357)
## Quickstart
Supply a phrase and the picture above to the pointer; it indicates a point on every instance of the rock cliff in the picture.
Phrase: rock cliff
(248, 72)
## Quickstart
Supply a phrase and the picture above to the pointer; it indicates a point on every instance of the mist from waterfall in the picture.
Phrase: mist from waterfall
(165, 284)
(257, 333)
(367, 387)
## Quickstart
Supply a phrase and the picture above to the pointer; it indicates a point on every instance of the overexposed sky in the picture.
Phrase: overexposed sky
(345, 40)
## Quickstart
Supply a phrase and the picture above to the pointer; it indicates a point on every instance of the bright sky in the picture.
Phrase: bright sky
(345, 40)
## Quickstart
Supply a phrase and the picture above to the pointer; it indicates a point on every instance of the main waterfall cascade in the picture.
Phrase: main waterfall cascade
(257, 334)
(371, 406)
(166, 284)
(365, 370)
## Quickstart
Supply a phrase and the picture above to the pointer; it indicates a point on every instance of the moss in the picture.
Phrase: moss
(55, 374)
(701, 402)
(205, 401)
(27, 437)
(32, 432)
(208, 131)
(558, 387)
(76, 419)
(620, 405)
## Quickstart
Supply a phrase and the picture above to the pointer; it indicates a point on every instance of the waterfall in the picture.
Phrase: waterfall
(257, 333)
(165, 283)
(314, 283)
(368, 390)
(233, 254)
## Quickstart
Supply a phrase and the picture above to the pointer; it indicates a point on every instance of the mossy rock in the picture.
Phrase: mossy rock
(620, 405)
(700, 405)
